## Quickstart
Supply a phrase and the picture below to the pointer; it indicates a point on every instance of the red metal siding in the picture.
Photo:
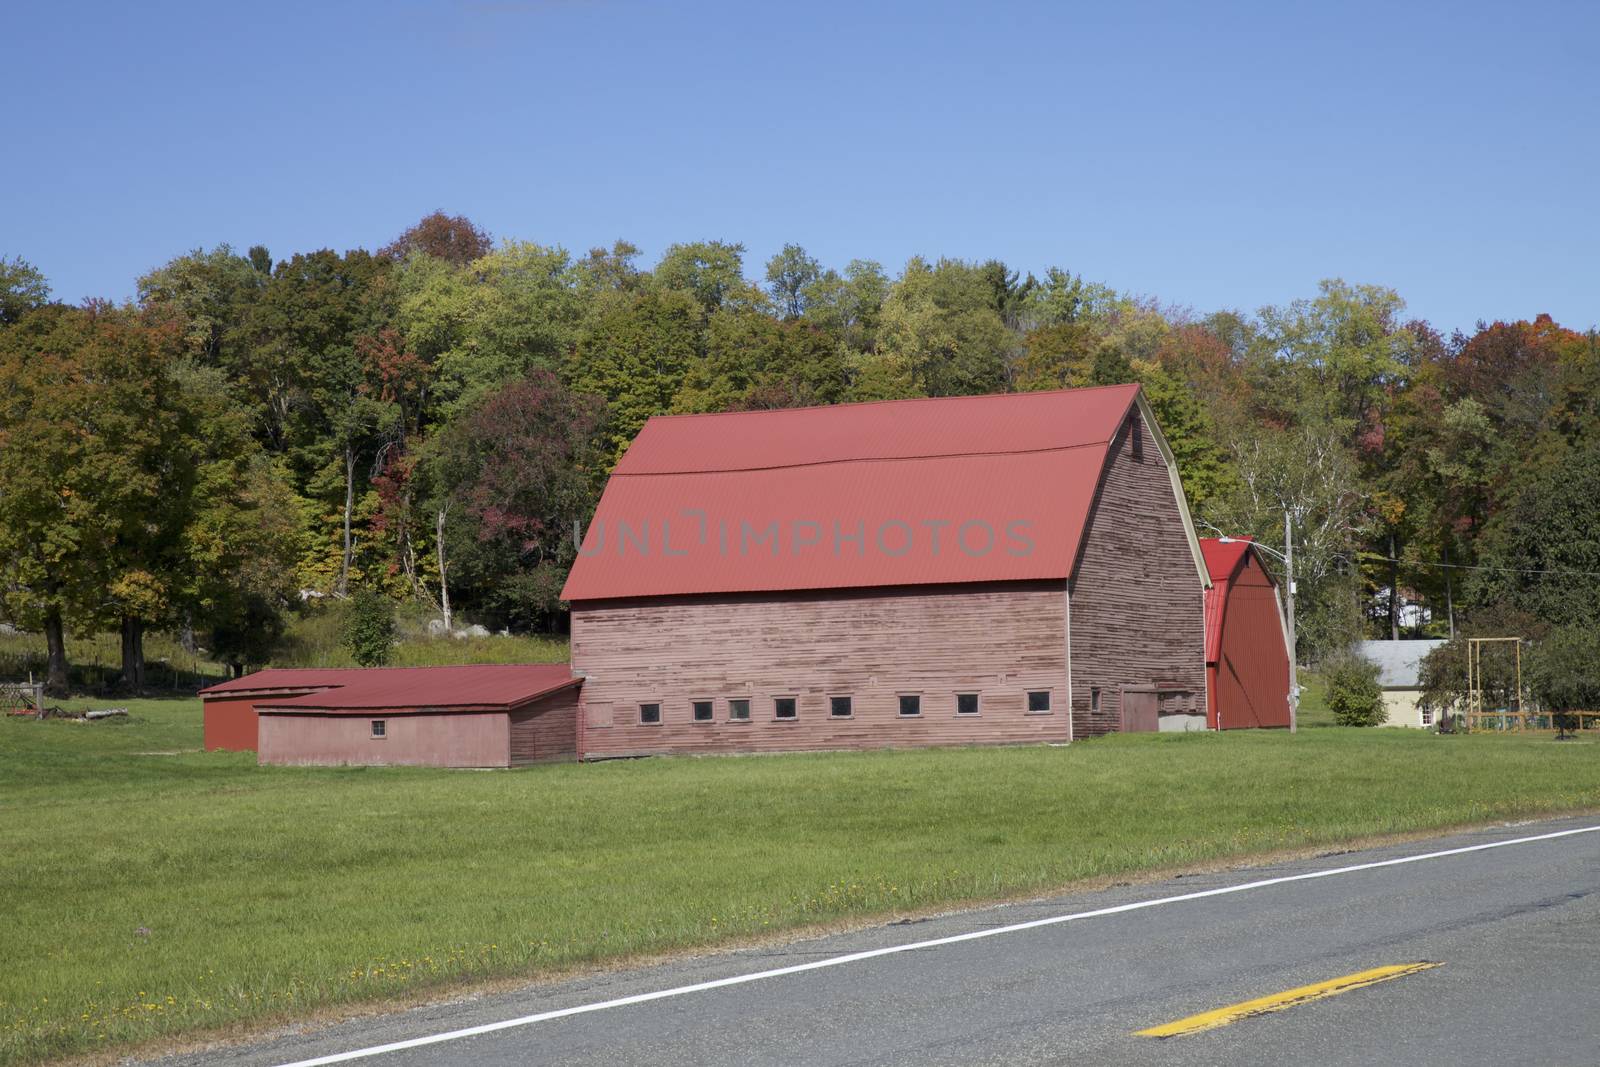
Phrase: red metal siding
(1249, 682)
(998, 640)
(1137, 603)
(230, 724)
(458, 739)
(547, 729)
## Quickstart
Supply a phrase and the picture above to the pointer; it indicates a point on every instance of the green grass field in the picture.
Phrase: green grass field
(152, 889)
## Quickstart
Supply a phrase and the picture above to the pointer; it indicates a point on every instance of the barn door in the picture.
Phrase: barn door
(1139, 712)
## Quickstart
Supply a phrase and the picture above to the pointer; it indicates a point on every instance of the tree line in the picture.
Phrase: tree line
(254, 435)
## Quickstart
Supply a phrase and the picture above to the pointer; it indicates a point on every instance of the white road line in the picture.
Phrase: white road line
(856, 957)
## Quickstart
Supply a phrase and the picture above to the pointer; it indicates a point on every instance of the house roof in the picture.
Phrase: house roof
(1399, 662)
(356, 690)
(904, 492)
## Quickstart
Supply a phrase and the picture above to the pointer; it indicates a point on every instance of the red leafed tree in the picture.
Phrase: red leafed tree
(452, 238)
(510, 479)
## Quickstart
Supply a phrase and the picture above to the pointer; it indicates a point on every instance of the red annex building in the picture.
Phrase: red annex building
(479, 715)
(964, 570)
(1247, 652)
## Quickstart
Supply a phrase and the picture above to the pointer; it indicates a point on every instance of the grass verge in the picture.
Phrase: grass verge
(152, 894)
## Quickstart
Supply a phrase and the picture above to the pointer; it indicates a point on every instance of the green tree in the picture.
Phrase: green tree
(710, 271)
(790, 274)
(22, 289)
(1542, 553)
(93, 485)
(1563, 672)
(514, 309)
(940, 334)
(369, 628)
(848, 307)
(634, 351)
(753, 361)
(211, 293)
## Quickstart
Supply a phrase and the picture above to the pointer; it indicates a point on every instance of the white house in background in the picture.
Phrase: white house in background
(1399, 668)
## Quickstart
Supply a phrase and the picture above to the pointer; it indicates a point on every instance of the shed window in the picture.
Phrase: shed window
(1038, 700)
(379, 728)
(841, 707)
(910, 704)
(650, 714)
(702, 711)
(966, 703)
(783, 708)
(1094, 699)
(739, 710)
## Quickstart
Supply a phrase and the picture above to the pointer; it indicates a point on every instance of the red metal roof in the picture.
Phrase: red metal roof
(1223, 560)
(479, 686)
(905, 492)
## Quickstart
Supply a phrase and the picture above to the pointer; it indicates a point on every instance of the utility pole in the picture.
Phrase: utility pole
(1294, 682)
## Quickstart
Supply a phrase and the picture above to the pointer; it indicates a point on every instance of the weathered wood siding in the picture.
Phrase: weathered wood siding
(998, 640)
(546, 729)
(1138, 605)
(456, 739)
(1250, 683)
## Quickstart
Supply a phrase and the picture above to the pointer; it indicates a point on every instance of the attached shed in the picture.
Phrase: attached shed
(482, 715)
(971, 570)
(1247, 650)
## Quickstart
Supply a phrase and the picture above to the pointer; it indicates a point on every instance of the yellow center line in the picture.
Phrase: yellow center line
(1210, 1020)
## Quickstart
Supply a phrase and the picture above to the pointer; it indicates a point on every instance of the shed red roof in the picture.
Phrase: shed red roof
(905, 492)
(1223, 560)
(353, 690)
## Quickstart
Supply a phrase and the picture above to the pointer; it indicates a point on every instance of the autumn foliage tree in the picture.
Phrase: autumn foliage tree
(512, 479)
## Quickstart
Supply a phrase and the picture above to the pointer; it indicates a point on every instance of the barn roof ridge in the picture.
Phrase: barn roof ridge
(913, 458)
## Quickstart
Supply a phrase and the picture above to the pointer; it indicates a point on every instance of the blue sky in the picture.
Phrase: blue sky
(1210, 155)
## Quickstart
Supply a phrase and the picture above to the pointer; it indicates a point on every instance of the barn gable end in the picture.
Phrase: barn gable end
(1138, 617)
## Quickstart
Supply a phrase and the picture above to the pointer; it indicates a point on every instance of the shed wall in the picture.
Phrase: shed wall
(998, 640)
(1250, 681)
(230, 724)
(1138, 605)
(547, 729)
(472, 739)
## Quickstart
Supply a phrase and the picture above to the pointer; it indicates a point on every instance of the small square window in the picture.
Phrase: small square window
(739, 710)
(783, 707)
(1038, 700)
(379, 728)
(702, 711)
(840, 707)
(910, 704)
(966, 703)
(650, 714)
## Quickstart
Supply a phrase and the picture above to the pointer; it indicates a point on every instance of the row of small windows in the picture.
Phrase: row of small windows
(839, 707)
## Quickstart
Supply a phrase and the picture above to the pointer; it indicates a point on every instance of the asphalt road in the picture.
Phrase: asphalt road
(1516, 930)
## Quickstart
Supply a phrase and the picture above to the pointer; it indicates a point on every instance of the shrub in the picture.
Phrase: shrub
(369, 628)
(1353, 693)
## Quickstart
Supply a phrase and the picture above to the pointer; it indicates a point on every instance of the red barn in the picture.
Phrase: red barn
(1247, 653)
(480, 715)
(991, 569)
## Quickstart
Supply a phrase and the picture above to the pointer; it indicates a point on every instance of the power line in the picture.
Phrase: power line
(1373, 557)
